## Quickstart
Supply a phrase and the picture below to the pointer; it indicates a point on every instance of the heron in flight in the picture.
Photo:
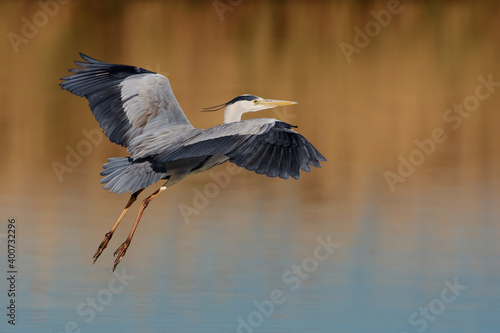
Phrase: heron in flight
(136, 108)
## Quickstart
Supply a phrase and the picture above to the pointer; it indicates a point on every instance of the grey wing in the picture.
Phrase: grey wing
(125, 100)
(266, 146)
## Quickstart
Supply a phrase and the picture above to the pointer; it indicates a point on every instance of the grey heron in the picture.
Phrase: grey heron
(136, 108)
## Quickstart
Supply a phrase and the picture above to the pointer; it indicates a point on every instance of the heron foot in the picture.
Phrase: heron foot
(120, 252)
(102, 246)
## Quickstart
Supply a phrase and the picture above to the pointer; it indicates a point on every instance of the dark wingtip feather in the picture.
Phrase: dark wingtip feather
(286, 163)
(319, 156)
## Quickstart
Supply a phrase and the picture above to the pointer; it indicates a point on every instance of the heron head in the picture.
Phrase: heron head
(236, 107)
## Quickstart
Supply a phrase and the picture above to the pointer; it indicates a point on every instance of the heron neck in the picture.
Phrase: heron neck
(232, 113)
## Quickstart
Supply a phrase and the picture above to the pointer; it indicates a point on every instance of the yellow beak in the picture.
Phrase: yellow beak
(272, 103)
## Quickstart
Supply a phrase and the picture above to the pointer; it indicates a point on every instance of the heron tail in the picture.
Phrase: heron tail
(125, 174)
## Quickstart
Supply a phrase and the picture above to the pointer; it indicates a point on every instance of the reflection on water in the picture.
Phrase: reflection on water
(422, 257)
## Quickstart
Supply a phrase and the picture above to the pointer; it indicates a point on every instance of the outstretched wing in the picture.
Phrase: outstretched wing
(266, 146)
(125, 100)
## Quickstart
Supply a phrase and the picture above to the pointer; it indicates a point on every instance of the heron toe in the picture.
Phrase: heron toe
(102, 246)
(120, 252)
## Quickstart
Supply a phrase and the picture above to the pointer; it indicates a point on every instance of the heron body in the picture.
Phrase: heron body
(137, 109)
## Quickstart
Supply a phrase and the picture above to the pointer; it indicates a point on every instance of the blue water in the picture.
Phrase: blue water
(253, 261)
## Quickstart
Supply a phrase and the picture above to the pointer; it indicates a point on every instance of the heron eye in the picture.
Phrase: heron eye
(255, 101)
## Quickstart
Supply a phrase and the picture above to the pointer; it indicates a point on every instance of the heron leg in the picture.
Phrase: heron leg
(120, 252)
(108, 236)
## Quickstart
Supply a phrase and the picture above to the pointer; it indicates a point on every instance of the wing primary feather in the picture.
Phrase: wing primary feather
(246, 152)
(266, 161)
(284, 171)
(294, 163)
(312, 156)
(303, 158)
(258, 155)
(274, 167)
